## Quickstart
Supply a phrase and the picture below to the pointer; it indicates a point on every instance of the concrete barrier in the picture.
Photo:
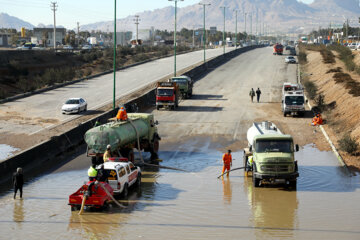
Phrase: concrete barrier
(44, 156)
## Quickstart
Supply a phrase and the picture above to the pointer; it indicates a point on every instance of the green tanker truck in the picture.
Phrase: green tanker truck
(122, 136)
(185, 85)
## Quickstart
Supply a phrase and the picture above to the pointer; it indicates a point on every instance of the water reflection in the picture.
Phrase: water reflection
(273, 210)
(227, 190)
(18, 212)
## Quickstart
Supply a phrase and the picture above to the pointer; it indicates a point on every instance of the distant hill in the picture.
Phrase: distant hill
(281, 15)
(278, 15)
(7, 21)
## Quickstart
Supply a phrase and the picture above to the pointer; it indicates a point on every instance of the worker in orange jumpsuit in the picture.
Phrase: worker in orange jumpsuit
(121, 115)
(227, 161)
(317, 120)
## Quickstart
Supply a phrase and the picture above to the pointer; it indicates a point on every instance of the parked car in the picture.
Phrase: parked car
(74, 105)
(122, 175)
(86, 47)
(352, 46)
(290, 59)
(68, 47)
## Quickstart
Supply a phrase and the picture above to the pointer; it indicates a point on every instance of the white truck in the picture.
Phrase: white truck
(272, 154)
(293, 99)
(122, 175)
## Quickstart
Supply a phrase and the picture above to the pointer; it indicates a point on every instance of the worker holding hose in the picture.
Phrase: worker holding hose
(227, 161)
(121, 115)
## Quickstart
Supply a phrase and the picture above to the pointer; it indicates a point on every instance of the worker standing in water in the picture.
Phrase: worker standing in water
(18, 181)
(227, 161)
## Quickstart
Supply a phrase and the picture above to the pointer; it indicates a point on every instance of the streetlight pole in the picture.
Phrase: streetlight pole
(224, 29)
(114, 54)
(204, 32)
(245, 25)
(236, 12)
(175, 35)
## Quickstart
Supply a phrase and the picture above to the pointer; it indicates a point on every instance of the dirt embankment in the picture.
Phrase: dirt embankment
(344, 117)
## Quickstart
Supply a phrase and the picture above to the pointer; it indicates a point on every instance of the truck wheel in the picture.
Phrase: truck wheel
(125, 192)
(157, 107)
(74, 208)
(172, 107)
(156, 145)
(292, 184)
(285, 113)
(138, 181)
(256, 181)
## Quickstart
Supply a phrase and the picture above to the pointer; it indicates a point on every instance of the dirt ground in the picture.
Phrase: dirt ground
(344, 118)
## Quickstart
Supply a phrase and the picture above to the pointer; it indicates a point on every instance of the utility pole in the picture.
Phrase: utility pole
(204, 31)
(175, 35)
(256, 27)
(137, 20)
(54, 8)
(224, 28)
(78, 33)
(245, 25)
(251, 16)
(236, 18)
(193, 37)
(114, 61)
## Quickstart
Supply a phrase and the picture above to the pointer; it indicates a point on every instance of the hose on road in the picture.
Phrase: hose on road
(230, 171)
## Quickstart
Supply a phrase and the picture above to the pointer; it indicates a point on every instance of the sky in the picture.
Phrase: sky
(69, 12)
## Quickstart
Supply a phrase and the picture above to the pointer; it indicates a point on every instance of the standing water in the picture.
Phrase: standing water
(195, 205)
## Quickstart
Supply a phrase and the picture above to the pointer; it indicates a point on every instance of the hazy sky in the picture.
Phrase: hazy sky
(71, 11)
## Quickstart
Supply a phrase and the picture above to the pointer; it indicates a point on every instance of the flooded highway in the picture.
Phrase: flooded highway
(196, 204)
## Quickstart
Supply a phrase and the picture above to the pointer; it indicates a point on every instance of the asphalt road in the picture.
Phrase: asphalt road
(221, 104)
(35, 113)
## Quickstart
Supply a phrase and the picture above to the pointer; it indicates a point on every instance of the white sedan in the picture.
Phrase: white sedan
(290, 59)
(74, 105)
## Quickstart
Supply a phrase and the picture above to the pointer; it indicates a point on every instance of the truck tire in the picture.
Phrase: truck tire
(256, 181)
(138, 181)
(292, 184)
(285, 113)
(172, 107)
(125, 191)
(157, 107)
(156, 145)
(245, 162)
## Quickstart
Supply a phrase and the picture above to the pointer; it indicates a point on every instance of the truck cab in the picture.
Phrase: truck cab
(278, 49)
(185, 85)
(167, 95)
(293, 99)
(122, 175)
(272, 154)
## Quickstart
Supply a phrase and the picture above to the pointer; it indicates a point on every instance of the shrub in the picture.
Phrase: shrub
(302, 57)
(319, 100)
(87, 72)
(348, 144)
(311, 89)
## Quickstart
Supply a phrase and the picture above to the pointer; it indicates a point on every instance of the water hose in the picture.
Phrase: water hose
(172, 168)
(110, 195)
(230, 171)
(82, 204)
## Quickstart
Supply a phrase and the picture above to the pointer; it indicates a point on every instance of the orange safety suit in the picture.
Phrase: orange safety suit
(121, 115)
(227, 160)
(317, 120)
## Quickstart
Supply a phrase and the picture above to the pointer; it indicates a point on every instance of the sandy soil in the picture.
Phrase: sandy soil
(344, 118)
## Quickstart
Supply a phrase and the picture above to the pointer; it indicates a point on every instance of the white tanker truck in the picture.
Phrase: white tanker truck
(272, 154)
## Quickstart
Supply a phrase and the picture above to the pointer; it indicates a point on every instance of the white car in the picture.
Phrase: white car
(122, 175)
(87, 47)
(68, 47)
(74, 105)
(290, 59)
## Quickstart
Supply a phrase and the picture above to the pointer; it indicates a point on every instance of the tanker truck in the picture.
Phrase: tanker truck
(122, 137)
(272, 154)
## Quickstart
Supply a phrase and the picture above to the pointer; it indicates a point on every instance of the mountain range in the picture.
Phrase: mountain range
(275, 15)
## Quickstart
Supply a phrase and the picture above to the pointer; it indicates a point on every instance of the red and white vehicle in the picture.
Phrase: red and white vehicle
(122, 175)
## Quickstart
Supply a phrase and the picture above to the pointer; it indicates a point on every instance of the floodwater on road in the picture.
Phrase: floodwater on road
(195, 205)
